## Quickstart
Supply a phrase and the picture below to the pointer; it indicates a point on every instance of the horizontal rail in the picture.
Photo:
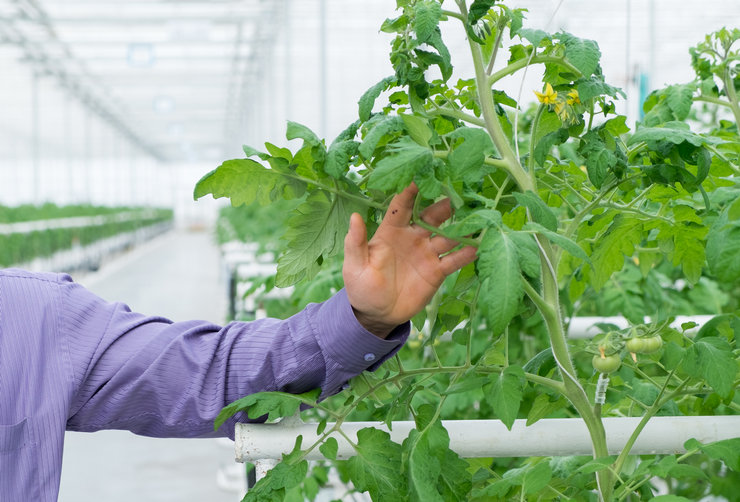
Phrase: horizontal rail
(490, 438)
(25, 227)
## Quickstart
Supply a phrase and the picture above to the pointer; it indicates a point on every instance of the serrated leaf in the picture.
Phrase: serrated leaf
(619, 241)
(273, 404)
(506, 394)
(542, 407)
(560, 240)
(466, 160)
(537, 478)
(541, 212)
(245, 181)
(316, 231)
(594, 86)
(598, 158)
(726, 450)
(478, 9)
(533, 36)
(427, 14)
(396, 171)
(387, 125)
(253, 152)
(299, 131)
(528, 253)
(377, 466)
(338, 158)
(367, 100)
(723, 245)
(679, 99)
(543, 146)
(286, 475)
(581, 53)
(329, 448)
(672, 132)
(474, 223)
(418, 128)
(711, 359)
(501, 288)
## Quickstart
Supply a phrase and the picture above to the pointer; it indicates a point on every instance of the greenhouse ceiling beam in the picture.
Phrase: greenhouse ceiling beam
(154, 19)
(41, 62)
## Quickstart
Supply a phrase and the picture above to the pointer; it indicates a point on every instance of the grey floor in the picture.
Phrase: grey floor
(177, 276)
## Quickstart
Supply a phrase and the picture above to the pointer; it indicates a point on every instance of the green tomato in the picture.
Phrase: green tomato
(636, 345)
(606, 364)
(652, 344)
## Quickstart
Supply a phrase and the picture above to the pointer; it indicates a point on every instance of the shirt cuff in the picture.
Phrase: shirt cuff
(349, 348)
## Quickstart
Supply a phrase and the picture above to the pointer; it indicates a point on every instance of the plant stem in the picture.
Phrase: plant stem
(458, 114)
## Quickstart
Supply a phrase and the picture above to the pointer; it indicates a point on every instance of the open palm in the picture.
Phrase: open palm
(393, 276)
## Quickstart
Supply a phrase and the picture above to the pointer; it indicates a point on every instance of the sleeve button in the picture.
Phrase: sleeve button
(369, 357)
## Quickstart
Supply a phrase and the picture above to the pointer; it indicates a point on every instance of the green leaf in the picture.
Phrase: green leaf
(542, 407)
(594, 86)
(507, 393)
(315, 232)
(560, 240)
(474, 223)
(467, 158)
(367, 101)
(672, 132)
(598, 158)
(543, 147)
(478, 9)
(385, 126)
(253, 152)
(581, 53)
(377, 466)
(329, 448)
(273, 404)
(427, 14)
(679, 98)
(299, 131)
(418, 128)
(396, 171)
(726, 450)
(669, 498)
(528, 253)
(286, 475)
(245, 181)
(501, 288)
(338, 158)
(541, 212)
(619, 241)
(533, 36)
(711, 359)
(723, 245)
(537, 478)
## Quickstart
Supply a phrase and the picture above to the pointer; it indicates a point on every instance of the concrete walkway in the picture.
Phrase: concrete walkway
(176, 276)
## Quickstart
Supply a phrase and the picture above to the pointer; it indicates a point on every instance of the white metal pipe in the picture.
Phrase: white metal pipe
(585, 327)
(490, 438)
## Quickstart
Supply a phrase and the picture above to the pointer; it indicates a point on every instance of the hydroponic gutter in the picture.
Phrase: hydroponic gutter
(490, 438)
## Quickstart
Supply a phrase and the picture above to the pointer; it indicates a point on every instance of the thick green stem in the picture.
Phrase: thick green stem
(732, 95)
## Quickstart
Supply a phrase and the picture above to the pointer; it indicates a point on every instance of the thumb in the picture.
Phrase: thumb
(355, 246)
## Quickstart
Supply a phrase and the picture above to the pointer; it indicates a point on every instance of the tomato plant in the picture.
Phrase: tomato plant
(572, 210)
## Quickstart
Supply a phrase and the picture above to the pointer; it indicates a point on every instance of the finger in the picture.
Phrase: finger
(457, 259)
(355, 245)
(442, 245)
(437, 213)
(401, 207)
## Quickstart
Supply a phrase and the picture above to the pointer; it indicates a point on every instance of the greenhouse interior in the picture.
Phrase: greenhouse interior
(369, 250)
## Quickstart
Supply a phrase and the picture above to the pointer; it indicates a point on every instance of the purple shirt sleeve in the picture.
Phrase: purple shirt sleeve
(160, 378)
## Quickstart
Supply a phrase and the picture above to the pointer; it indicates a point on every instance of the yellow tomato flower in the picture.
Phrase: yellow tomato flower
(573, 98)
(549, 97)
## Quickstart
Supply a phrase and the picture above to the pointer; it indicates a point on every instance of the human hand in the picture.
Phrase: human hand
(391, 278)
